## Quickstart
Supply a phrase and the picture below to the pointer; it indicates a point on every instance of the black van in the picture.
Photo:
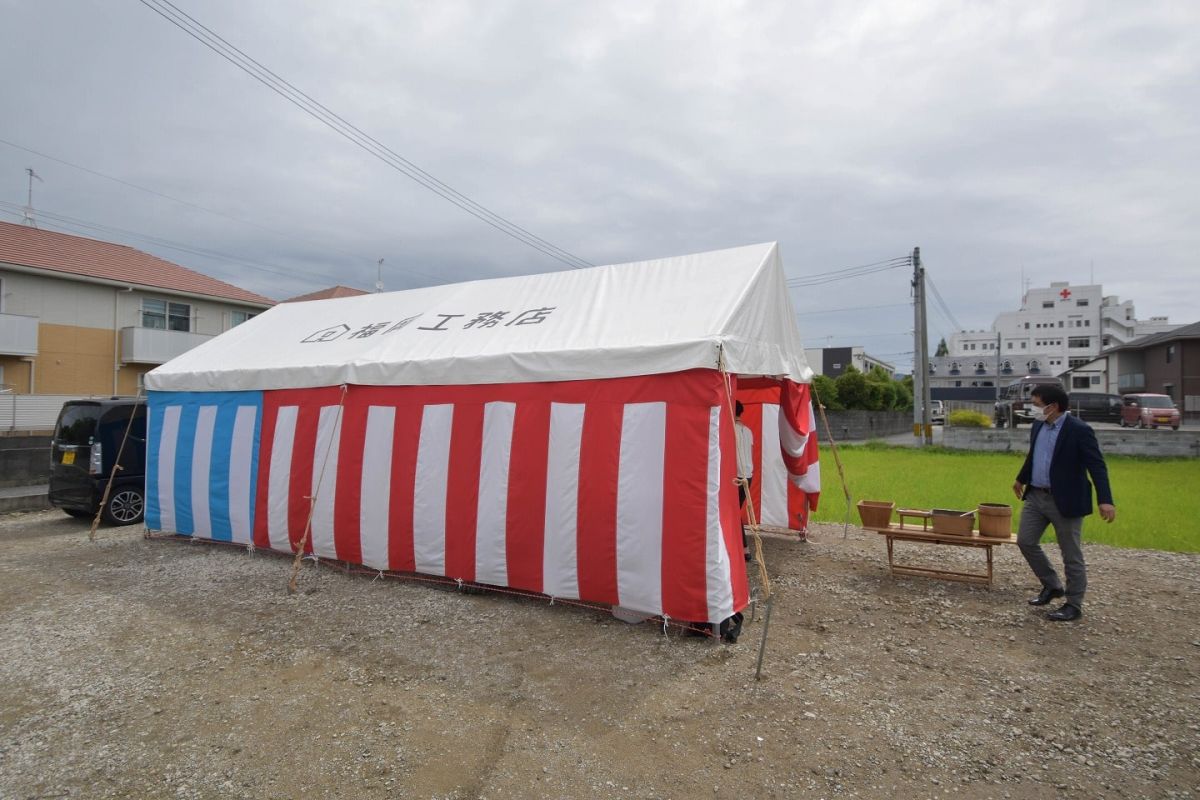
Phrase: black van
(1015, 404)
(1096, 407)
(83, 455)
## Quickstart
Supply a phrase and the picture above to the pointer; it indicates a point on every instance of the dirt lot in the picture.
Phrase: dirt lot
(155, 669)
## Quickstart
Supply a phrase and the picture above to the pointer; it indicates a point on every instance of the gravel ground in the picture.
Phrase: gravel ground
(165, 669)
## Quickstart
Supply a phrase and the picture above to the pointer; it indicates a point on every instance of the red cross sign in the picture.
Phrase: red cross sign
(1064, 294)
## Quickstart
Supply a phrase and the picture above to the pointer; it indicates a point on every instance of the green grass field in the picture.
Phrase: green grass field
(1158, 500)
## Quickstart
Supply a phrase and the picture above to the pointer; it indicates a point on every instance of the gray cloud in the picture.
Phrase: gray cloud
(1059, 139)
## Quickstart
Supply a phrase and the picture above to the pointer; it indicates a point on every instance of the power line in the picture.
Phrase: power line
(287, 236)
(323, 114)
(78, 225)
(853, 308)
(945, 309)
(862, 336)
(846, 273)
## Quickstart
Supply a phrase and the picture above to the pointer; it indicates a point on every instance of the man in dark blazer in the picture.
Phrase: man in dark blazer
(1053, 482)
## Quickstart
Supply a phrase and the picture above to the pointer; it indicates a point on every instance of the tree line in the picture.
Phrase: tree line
(873, 391)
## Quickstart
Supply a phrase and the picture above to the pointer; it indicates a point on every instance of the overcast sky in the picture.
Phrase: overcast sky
(1062, 139)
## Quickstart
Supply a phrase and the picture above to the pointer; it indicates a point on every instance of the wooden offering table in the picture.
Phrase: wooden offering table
(908, 531)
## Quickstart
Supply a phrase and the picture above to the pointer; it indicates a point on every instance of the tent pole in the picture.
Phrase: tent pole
(113, 475)
(764, 577)
(837, 459)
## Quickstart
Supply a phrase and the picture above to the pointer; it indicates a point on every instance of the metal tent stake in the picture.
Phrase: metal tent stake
(762, 645)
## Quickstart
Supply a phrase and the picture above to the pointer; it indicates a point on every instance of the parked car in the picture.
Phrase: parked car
(937, 412)
(1149, 411)
(1096, 407)
(1016, 404)
(83, 453)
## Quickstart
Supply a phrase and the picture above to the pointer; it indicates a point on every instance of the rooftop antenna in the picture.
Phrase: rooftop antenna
(27, 214)
(379, 278)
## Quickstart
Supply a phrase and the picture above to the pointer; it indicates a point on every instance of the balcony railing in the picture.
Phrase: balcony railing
(1131, 381)
(18, 335)
(155, 346)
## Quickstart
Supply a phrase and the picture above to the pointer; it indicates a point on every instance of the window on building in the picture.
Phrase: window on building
(166, 316)
(238, 317)
(1107, 340)
(1077, 362)
(1026, 326)
(1095, 380)
(1079, 341)
(1170, 352)
(1087, 323)
(1023, 345)
(1081, 302)
(1169, 391)
(1060, 323)
(1080, 382)
(1048, 304)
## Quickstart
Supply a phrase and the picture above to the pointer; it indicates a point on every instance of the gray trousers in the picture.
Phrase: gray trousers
(1039, 511)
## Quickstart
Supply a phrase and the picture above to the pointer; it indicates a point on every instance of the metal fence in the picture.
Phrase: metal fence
(985, 408)
(30, 412)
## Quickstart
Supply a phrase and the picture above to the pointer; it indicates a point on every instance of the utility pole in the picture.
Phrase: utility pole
(27, 216)
(998, 339)
(921, 425)
(379, 277)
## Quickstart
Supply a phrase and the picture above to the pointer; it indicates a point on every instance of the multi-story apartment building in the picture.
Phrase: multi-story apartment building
(82, 316)
(833, 361)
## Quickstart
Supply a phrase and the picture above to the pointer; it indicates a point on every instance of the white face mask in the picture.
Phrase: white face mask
(1038, 413)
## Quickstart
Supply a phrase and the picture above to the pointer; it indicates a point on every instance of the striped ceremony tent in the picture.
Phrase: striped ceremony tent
(569, 434)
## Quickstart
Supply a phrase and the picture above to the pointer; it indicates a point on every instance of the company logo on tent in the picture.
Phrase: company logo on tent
(327, 334)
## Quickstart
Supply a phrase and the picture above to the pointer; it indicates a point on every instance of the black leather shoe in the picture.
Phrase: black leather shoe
(1067, 613)
(1046, 596)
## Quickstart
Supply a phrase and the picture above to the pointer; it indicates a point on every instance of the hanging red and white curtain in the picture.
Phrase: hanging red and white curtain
(787, 470)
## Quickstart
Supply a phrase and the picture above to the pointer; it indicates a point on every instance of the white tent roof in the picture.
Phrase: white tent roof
(644, 318)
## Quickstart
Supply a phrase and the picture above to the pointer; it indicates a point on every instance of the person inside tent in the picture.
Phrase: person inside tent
(745, 465)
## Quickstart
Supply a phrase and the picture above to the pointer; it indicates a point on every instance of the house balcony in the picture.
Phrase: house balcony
(18, 335)
(1132, 382)
(154, 346)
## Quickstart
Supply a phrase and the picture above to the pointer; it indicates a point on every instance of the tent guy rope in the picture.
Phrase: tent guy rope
(312, 501)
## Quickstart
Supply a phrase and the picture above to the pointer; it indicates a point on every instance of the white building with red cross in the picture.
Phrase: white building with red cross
(1057, 328)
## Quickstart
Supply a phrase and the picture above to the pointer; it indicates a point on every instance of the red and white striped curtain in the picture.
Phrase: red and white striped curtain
(617, 491)
(787, 472)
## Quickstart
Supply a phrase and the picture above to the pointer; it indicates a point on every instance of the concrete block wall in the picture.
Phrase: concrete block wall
(24, 460)
(1129, 442)
(849, 426)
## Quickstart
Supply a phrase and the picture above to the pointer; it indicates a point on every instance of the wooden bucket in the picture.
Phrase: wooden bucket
(995, 520)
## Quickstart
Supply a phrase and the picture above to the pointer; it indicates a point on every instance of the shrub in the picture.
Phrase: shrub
(853, 390)
(964, 418)
(827, 392)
